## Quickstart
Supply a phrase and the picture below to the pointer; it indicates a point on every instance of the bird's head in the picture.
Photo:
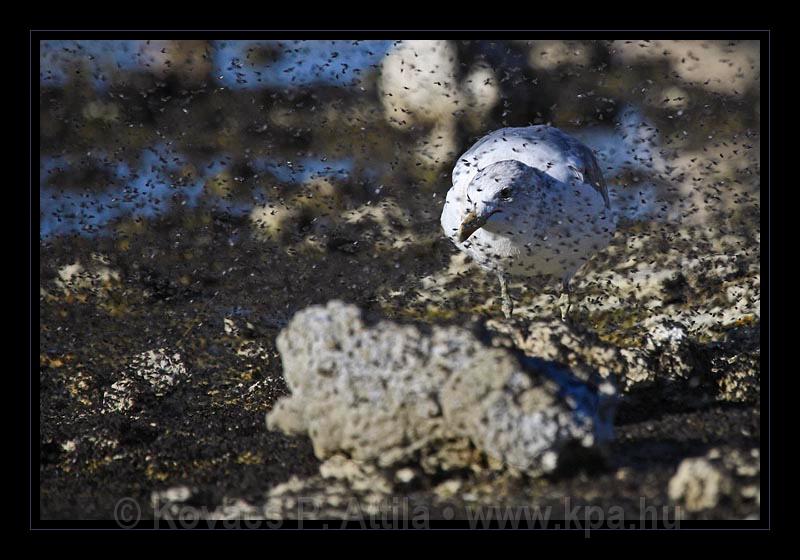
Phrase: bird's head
(496, 193)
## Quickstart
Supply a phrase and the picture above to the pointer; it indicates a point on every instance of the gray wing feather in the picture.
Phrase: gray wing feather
(593, 175)
(543, 147)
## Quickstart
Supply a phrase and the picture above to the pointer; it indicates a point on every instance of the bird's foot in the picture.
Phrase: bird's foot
(508, 304)
(565, 305)
(508, 307)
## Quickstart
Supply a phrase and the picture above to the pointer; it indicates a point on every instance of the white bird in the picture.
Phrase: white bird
(528, 201)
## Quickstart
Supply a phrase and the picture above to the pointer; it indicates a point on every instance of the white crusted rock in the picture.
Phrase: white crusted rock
(389, 393)
(666, 355)
(697, 484)
(94, 276)
(152, 373)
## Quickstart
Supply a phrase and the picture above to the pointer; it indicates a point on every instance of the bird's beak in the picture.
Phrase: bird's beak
(469, 225)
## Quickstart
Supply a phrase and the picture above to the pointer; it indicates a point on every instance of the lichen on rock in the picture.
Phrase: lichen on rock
(94, 276)
(700, 483)
(667, 357)
(153, 373)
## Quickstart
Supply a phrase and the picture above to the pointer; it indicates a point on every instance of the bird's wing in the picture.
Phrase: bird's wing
(587, 170)
(542, 147)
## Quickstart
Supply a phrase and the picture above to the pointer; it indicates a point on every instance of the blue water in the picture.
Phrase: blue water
(301, 63)
(100, 57)
(149, 189)
(304, 169)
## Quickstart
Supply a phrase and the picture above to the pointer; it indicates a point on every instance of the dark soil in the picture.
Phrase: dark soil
(210, 434)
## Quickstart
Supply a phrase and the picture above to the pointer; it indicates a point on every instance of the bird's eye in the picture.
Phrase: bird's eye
(505, 193)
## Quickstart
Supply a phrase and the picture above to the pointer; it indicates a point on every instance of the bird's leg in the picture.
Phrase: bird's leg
(508, 305)
(564, 300)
